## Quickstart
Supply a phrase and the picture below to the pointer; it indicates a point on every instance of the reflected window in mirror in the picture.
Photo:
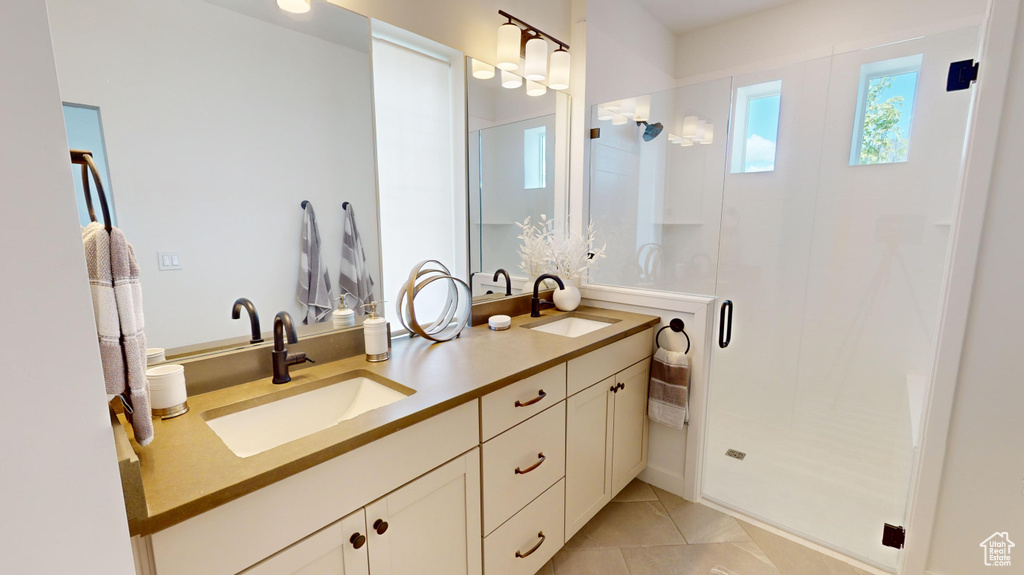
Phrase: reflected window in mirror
(535, 158)
(84, 127)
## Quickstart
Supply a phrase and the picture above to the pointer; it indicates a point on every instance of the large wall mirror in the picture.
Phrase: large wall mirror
(518, 156)
(211, 122)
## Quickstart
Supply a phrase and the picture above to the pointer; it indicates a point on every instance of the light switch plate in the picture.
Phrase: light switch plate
(169, 261)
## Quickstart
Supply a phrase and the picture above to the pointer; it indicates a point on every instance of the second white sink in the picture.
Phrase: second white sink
(571, 326)
(265, 426)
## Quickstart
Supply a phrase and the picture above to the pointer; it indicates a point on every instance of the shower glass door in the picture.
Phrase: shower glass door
(836, 215)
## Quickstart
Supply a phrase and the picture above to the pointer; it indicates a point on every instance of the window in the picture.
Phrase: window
(534, 158)
(885, 111)
(757, 127)
(85, 132)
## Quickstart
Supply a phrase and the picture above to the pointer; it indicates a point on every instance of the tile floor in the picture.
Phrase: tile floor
(647, 531)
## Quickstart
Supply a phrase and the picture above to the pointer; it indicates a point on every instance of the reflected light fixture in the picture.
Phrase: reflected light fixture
(294, 6)
(510, 80)
(559, 72)
(684, 142)
(642, 109)
(482, 70)
(535, 89)
(517, 39)
(604, 114)
(709, 134)
(628, 108)
(690, 127)
(619, 119)
(701, 129)
(509, 38)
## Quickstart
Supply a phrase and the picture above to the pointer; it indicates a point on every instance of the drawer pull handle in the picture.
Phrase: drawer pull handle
(532, 467)
(539, 397)
(522, 555)
(617, 388)
(357, 540)
(380, 526)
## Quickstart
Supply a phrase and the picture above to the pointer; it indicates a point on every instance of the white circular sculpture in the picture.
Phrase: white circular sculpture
(453, 317)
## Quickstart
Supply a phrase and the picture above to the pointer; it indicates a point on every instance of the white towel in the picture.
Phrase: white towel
(355, 277)
(117, 306)
(668, 395)
(314, 289)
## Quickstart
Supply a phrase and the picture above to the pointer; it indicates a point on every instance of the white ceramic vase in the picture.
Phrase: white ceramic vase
(567, 299)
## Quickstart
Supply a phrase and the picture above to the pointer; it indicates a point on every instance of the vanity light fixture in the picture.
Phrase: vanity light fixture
(482, 70)
(509, 37)
(294, 6)
(535, 88)
(558, 78)
(690, 127)
(517, 39)
(510, 80)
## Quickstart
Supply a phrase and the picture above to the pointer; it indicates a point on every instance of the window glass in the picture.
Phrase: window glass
(885, 111)
(534, 155)
(757, 127)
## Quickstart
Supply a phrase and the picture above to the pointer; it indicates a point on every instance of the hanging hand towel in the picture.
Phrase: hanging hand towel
(314, 290)
(669, 392)
(355, 277)
(117, 305)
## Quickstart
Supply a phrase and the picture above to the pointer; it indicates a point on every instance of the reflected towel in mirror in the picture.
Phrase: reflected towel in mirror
(314, 289)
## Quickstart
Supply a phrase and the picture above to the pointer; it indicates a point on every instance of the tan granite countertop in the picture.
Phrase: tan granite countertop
(188, 470)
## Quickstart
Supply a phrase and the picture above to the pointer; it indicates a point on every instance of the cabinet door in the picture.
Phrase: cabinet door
(588, 462)
(629, 435)
(334, 550)
(430, 526)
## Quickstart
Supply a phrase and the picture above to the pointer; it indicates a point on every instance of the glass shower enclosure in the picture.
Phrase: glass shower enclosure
(818, 198)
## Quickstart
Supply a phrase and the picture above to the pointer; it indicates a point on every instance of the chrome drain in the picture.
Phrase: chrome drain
(736, 454)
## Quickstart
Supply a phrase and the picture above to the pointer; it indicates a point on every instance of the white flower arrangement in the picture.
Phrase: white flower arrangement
(545, 251)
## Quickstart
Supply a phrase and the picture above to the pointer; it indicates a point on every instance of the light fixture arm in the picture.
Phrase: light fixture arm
(533, 29)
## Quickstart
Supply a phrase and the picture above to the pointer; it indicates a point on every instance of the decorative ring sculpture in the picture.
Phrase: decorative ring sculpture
(450, 322)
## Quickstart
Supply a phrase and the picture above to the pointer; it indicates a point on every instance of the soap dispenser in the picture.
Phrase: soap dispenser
(375, 333)
(343, 316)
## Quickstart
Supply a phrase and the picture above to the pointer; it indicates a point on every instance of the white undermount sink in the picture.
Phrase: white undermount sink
(572, 326)
(268, 424)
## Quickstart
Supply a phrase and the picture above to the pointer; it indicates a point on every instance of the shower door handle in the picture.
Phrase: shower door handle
(725, 325)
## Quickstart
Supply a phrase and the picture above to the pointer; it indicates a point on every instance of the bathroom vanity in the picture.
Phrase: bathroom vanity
(501, 447)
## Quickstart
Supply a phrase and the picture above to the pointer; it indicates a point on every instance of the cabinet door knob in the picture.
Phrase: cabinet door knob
(357, 539)
(532, 467)
(614, 389)
(522, 555)
(380, 526)
(541, 395)
(621, 386)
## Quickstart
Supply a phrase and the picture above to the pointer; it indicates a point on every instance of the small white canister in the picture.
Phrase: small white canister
(155, 355)
(167, 390)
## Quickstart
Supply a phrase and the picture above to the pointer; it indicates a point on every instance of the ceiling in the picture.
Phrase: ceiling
(325, 21)
(682, 16)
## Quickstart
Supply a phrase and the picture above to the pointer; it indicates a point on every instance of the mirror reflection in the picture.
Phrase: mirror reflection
(211, 123)
(518, 149)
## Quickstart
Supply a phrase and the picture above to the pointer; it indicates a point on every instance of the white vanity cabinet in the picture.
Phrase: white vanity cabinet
(428, 527)
(606, 426)
(338, 549)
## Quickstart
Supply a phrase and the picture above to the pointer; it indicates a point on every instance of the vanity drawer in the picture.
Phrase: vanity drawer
(520, 401)
(506, 491)
(586, 370)
(523, 533)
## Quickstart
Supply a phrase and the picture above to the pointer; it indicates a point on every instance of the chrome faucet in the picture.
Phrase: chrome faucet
(508, 280)
(536, 301)
(282, 359)
(254, 318)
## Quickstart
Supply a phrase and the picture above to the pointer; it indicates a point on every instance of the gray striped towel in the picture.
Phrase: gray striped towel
(117, 305)
(355, 276)
(314, 289)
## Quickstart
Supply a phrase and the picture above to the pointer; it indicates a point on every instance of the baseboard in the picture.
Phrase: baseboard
(662, 479)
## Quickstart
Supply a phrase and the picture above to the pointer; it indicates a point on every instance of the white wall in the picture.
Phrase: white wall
(63, 511)
(802, 29)
(217, 126)
(984, 466)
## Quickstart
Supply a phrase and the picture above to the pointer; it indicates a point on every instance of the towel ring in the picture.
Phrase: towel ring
(677, 326)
